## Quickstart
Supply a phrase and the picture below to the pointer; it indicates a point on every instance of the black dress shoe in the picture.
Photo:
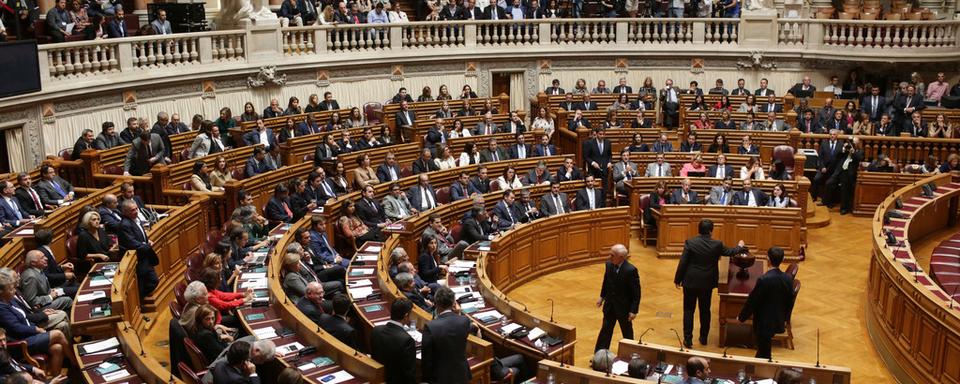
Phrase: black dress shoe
(703, 341)
(688, 343)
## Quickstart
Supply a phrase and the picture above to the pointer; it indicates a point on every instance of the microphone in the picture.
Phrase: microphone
(725, 351)
(818, 348)
(725, 355)
(143, 353)
(551, 309)
(640, 340)
(679, 339)
(562, 346)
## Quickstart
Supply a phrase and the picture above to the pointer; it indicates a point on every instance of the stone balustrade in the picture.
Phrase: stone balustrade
(205, 52)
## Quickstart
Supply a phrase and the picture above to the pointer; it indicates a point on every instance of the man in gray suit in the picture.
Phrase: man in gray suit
(396, 205)
(721, 194)
(54, 190)
(772, 123)
(145, 151)
(36, 288)
(624, 171)
(108, 137)
(555, 202)
(660, 168)
(493, 152)
(161, 24)
(486, 127)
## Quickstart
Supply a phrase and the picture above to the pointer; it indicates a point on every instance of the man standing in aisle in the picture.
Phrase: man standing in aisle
(619, 296)
(698, 274)
(770, 303)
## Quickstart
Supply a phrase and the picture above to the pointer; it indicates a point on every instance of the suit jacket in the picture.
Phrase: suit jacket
(661, 147)
(515, 151)
(764, 92)
(35, 287)
(29, 202)
(117, 28)
(304, 128)
(383, 173)
(130, 238)
(716, 192)
(474, 231)
(582, 200)
(827, 157)
(405, 118)
(106, 142)
(370, 212)
(444, 350)
(79, 147)
(562, 174)
(478, 185)
(814, 127)
(664, 170)
(885, 130)
(450, 14)
(393, 207)
(778, 108)
(433, 137)
(874, 110)
(138, 161)
(486, 155)
(331, 105)
(416, 196)
(323, 152)
(698, 268)
(903, 100)
(541, 150)
(914, 131)
(488, 12)
(275, 212)
(310, 309)
(48, 194)
(393, 347)
(742, 198)
(481, 128)
(727, 171)
(592, 153)
(110, 219)
(513, 127)
(471, 14)
(687, 147)
(287, 134)
(339, 328)
(620, 173)
(10, 210)
(224, 373)
(586, 106)
(54, 272)
(460, 191)
(622, 89)
(420, 166)
(572, 124)
(677, 196)
(770, 303)
(509, 214)
(554, 91)
(253, 138)
(620, 289)
(162, 28)
(548, 206)
(15, 323)
(255, 167)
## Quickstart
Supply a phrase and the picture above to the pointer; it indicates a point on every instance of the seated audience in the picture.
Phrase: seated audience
(354, 228)
(396, 206)
(684, 195)
(257, 164)
(659, 168)
(13, 319)
(568, 172)
(779, 198)
(93, 243)
(555, 202)
(36, 288)
(392, 346)
(422, 196)
(54, 191)
(590, 197)
(695, 166)
(750, 196)
(721, 194)
(753, 170)
(509, 179)
(237, 367)
(747, 147)
(336, 323)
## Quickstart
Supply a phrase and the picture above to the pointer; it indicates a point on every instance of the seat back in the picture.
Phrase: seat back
(197, 361)
(178, 291)
(373, 111)
(405, 172)
(784, 153)
(455, 232)
(644, 202)
(72, 248)
(443, 195)
(494, 186)
(237, 173)
(188, 375)
(113, 170)
(793, 269)
(176, 309)
(66, 154)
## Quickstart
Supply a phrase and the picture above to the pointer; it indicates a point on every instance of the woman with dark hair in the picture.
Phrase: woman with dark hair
(467, 93)
(429, 266)
(300, 201)
(851, 112)
(249, 112)
(200, 180)
(425, 94)
(353, 227)
(202, 331)
(293, 107)
(470, 155)
(779, 198)
(637, 145)
(385, 138)
(725, 121)
(313, 104)
(355, 119)
(749, 105)
(443, 93)
(719, 144)
(723, 104)
(703, 122)
(204, 142)
(698, 104)
(658, 198)
(340, 185)
(224, 123)
(334, 124)
(95, 31)
(753, 170)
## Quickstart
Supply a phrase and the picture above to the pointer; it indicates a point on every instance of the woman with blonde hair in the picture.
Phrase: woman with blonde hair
(93, 243)
(695, 165)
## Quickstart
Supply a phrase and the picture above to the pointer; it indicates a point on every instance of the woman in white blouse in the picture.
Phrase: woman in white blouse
(470, 155)
(543, 121)
(509, 180)
(753, 170)
(779, 199)
(459, 129)
(445, 159)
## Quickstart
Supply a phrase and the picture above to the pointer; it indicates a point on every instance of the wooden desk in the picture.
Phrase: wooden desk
(873, 187)
(88, 364)
(727, 366)
(82, 321)
(760, 227)
(388, 115)
(902, 150)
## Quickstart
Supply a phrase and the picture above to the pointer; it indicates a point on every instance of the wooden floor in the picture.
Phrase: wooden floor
(832, 299)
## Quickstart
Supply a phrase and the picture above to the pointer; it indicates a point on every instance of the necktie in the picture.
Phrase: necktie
(659, 170)
(493, 12)
(548, 150)
(833, 145)
(427, 199)
(495, 157)
(600, 144)
(326, 189)
(873, 107)
(36, 199)
(142, 231)
(723, 198)
(58, 188)
(393, 174)
(16, 210)
(372, 205)
(286, 208)
(720, 172)
(556, 200)
(403, 209)
(509, 214)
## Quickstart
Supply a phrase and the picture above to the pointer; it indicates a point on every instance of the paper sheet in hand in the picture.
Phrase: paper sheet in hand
(361, 292)
(619, 367)
(100, 345)
(416, 335)
(91, 296)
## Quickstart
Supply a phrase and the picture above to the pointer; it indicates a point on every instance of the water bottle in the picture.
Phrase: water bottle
(680, 371)
(813, 381)
(551, 379)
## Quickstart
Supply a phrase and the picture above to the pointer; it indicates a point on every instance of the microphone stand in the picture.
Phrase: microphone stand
(679, 339)
(551, 309)
(640, 340)
(818, 348)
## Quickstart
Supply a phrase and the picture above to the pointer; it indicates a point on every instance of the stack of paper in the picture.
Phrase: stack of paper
(116, 375)
(488, 316)
(336, 377)
(100, 282)
(464, 263)
(360, 292)
(265, 333)
(253, 275)
(535, 334)
(360, 283)
(361, 271)
(372, 249)
(91, 296)
(99, 346)
(366, 257)
(287, 349)
(509, 328)
(416, 335)
(255, 284)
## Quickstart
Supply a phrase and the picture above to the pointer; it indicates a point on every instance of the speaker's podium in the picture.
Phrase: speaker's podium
(183, 15)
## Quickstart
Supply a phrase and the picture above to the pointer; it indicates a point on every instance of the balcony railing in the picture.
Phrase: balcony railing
(63, 64)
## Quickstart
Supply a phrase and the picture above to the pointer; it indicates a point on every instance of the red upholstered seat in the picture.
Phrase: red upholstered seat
(443, 195)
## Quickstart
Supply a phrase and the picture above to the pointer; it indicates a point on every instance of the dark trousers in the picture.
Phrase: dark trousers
(817, 186)
(606, 330)
(502, 366)
(147, 279)
(847, 187)
(692, 300)
(670, 114)
(331, 273)
(763, 345)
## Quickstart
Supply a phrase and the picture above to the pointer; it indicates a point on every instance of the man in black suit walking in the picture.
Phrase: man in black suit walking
(698, 274)
(392, 346)
(133, 236)
(770, 303)
(619, 296)
(444, 351)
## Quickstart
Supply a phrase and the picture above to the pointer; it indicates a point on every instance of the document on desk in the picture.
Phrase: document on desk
(98, 346)
(619, 367)
(336, 377)
(361, 271)
(116, 375)
(509, 328)
(360, 283)
(464, 264)
(366, 257)
(360, 292)
(253, 275)
(100, 282)
(255, 284)
(91, 296)
(287, 349)
(461, 289)
(265, 333)
(373, 249)
(535, 334)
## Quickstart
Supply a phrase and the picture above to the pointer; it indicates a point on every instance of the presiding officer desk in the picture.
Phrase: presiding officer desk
(912, 322)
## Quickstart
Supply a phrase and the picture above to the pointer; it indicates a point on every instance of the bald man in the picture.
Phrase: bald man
(619, 297)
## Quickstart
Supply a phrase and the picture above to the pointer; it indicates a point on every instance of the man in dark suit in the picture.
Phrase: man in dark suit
(770, 303)
(826, 161)
(590, 197)
(133, 236)
(145, 151)
(451, 11)
(804, 90)
(160, 128)
(907, 103)
(885, 127)
(437, 135)
(670, 102)
(53, 189)
(915, 126)
(318, 189)
(405, 118)
(83, 143)
(586, 104)
(369, 210)
(508, 215)
(401, 96)
(481, 182)
(554, 88)
(392, 346)
(520, 149)
(389, 170)
(684, 195)
(740, 89)
(237, 368)
(424, 163)
(808, 124)
(568, 172)
(619, 296)
(476, 227)
(698, 274)
(257, 135)
(843, 181)
(256, 163)
(59, 276)
(874, 105)
(336, 323)
(306, 127)
(514, 124)
(598, 153)
(555, 202)
(494, 12)
(470, 11)
(772, 105)
(328, 103)
(109, 213)
(763, 90)
(750, 197)
(12, 214)
(568, 104)
(311, 304)
(623, 87)
(117, 27)
(422, 196)
(721, 169)
(278, 207)
(493, 152)
(461, 188)
(27, 196)
(544, 148)
(444, 347)
(578, 121)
